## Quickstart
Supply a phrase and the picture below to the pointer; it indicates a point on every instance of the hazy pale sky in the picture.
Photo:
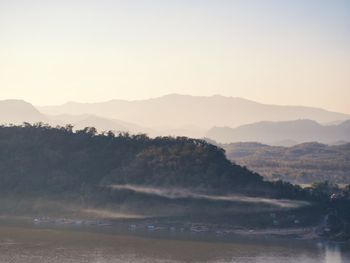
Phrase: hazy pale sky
(271, 51)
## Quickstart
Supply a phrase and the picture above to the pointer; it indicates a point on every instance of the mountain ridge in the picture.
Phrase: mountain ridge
(272, 132)
(16, 111)
(174, 110)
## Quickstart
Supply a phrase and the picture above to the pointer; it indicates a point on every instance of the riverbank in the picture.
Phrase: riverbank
(164, 228)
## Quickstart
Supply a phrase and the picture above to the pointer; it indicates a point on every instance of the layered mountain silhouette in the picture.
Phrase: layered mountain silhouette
(193, 116)
(19, 111)
(283, 133)
(177, 111)
(100, 123)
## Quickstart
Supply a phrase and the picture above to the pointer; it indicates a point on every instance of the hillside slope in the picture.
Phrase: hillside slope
(37, 160)
(19, 111)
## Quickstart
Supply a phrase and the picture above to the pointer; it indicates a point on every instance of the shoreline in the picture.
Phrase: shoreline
(168, 230)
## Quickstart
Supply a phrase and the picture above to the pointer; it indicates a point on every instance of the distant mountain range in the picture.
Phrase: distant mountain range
(19, 111)
(178, 111)
(283, 133)
(192, 116)
(303, 163)
(100, 123)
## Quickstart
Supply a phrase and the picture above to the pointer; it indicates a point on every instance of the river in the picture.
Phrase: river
(27, 244)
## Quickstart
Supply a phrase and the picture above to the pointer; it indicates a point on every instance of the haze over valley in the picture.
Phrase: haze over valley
(176, 111)
(284, 133)
(175, 131)
(216, 117)
(248, 144)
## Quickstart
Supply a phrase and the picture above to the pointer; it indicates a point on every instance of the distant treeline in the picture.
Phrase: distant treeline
(302, 164)
(42, 160)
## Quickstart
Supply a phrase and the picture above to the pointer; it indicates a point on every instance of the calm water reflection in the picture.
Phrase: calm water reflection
(333, 254)
(28, 245)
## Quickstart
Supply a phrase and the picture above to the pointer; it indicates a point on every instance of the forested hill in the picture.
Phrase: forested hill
(43, 160)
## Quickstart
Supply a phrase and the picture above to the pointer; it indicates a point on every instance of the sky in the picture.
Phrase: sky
(294, 52)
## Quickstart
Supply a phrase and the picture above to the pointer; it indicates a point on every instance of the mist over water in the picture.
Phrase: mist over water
(175, 193)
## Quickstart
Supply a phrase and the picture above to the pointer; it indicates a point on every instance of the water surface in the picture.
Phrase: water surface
(31, 244)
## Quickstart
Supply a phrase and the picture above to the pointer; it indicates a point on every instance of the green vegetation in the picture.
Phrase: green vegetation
(41, 160)
(55, 170)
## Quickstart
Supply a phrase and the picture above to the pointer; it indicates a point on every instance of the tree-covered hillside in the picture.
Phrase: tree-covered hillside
(38, 159)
